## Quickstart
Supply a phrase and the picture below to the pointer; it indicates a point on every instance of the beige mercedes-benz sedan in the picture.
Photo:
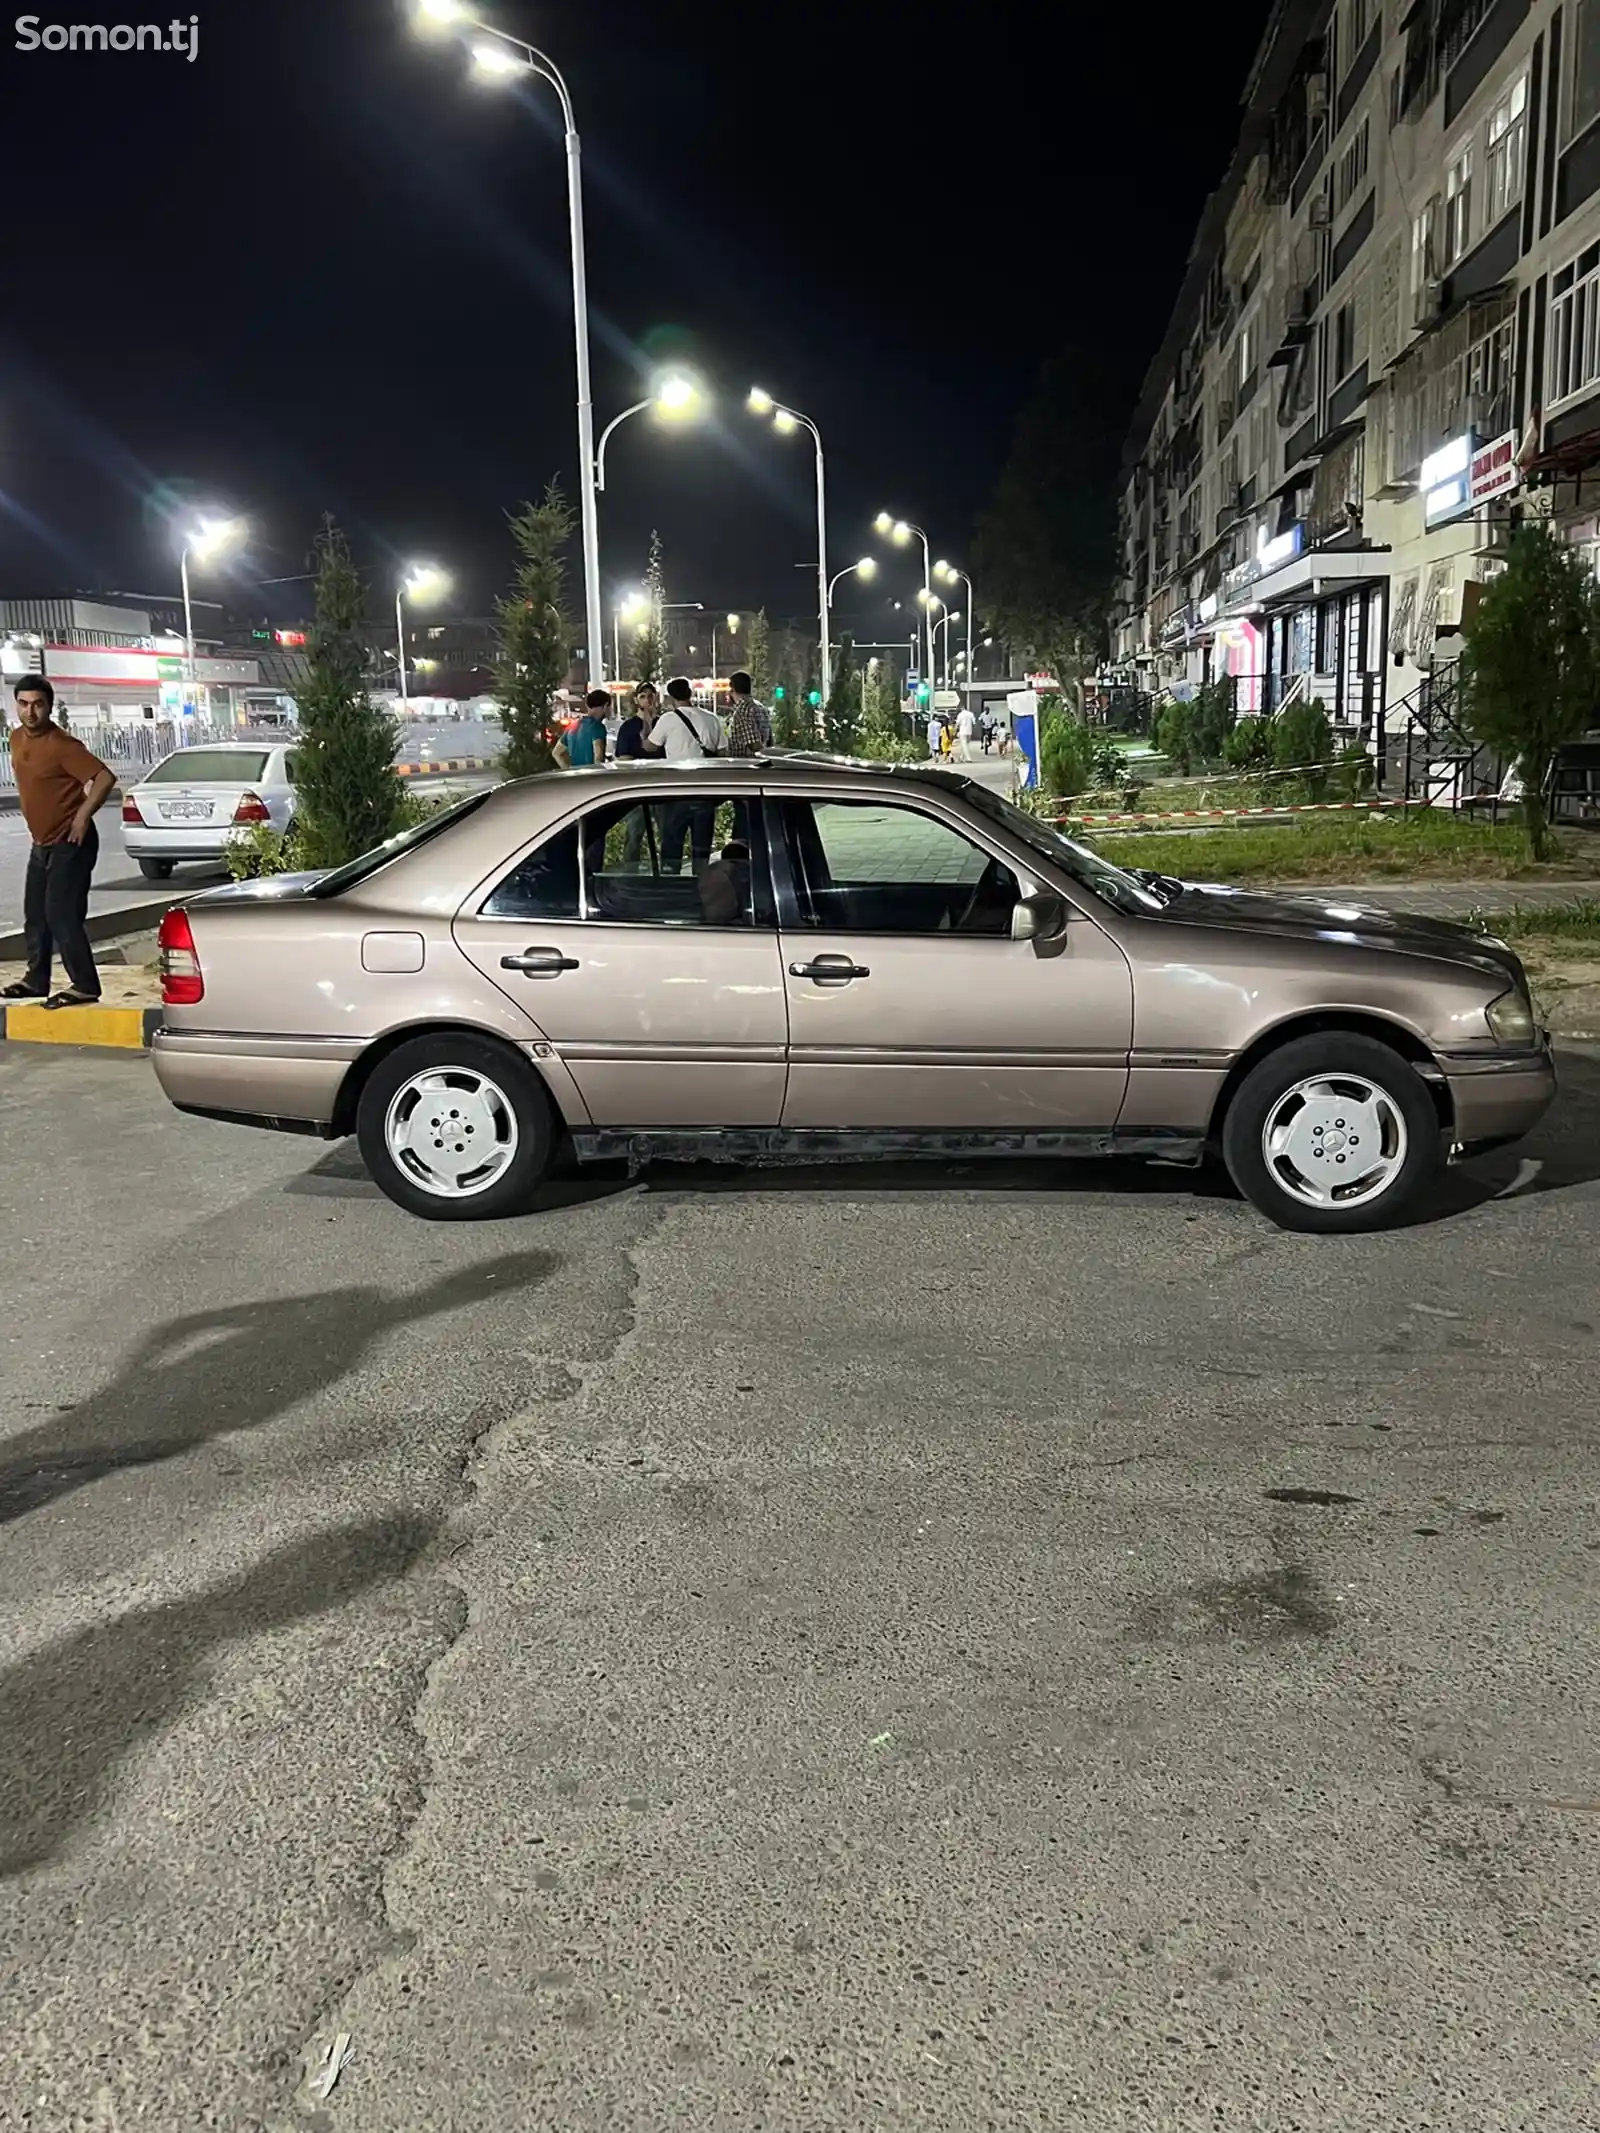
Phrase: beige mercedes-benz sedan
(797, 956)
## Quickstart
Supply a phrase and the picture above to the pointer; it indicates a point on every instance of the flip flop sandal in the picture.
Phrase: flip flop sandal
(19, 992)
(73, 999)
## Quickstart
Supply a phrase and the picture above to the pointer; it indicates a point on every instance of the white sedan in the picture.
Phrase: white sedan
(189, 806)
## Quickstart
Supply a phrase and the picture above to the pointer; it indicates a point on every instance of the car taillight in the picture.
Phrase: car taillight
(252, 808)
(130, 811)
(181, 982)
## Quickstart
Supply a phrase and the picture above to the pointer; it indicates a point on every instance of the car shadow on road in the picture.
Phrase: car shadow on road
(72, 1711)
(200, 1376)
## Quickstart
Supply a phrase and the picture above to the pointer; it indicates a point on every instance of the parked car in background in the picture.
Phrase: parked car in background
(794, 955)
(187, 808)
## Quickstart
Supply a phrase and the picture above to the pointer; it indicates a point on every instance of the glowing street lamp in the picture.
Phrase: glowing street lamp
(205, 541)
(630, 609)
(422, 581)
(867, 568)
(786, 420)
(901, 531)
(674, 397)
(952, 576)
(498, 56)
(732, 624)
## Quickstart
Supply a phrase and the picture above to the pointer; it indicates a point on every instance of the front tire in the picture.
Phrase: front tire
(456, 1129)
(156, 869)
(1332, 1134)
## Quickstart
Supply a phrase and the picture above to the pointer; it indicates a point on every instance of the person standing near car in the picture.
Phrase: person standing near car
(750, 726)
(61, 787)
(684, 733)
(585, 745)
(630, 746)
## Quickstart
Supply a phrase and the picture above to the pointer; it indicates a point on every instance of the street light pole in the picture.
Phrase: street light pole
(900, 530)
(788, 418)
(400, 638)
(188, 624)
(949, 571)
(492, 59)
(637, 408)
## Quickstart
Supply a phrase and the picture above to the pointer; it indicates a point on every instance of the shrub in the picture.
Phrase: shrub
(1175, 737)
(1302, 739)
(1250, 745)
(1065, 756)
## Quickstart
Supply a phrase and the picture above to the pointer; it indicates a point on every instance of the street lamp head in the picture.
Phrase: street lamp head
(883, 523)
(784, 422)
(440, 13)
(760, 401)
(676, 393)
(212, 535)
(926, 598)
(735, 623)
(944, 570)
(900, 532)
(495, 61)
(423, 581)
(867, 567)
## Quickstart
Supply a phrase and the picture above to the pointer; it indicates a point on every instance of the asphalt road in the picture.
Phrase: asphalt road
(908, 1648)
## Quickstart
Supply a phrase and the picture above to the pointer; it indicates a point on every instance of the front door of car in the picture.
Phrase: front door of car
(912, 1006)
(647, 956)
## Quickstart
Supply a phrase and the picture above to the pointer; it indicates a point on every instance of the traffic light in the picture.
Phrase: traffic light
(924, 692)
(814, 698)
(779, 693)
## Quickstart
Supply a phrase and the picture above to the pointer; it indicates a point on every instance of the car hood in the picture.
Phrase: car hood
(1311, 917)
(267, 888)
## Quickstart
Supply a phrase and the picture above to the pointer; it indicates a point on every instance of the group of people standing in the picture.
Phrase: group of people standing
(672, 730)
(953, 737)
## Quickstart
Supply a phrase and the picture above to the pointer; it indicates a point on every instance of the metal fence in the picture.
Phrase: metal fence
(139, 745)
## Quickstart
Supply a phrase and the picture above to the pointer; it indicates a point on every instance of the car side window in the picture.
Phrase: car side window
(696, 859)
(542, 885)
(869, 866)
(291, 769)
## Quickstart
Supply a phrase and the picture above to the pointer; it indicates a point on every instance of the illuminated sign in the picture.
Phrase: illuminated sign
(1494, 470)
(293, 637)
(1271, 555)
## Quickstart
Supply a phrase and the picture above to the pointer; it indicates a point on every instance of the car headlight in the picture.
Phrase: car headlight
(1510, 1018)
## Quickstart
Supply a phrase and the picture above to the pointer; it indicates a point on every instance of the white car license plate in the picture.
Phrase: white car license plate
(186, 810)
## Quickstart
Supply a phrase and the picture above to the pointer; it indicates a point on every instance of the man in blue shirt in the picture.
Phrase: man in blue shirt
(585, 745)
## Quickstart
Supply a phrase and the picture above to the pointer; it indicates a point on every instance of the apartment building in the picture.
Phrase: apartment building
(1385, 352)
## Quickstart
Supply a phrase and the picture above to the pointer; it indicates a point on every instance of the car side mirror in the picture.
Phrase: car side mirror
(1042, 919)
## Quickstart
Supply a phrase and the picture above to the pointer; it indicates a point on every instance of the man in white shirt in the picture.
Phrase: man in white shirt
(685, 733)
(935, 729)
(966, 727)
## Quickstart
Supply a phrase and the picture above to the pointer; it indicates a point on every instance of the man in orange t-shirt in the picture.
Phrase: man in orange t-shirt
(61, 786)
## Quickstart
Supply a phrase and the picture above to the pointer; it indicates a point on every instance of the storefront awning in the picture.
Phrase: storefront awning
(1308, 577)
(1574, 456)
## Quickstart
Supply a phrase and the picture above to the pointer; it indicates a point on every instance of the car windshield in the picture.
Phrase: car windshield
(210, 766)
(1087, 868)
(357, 870)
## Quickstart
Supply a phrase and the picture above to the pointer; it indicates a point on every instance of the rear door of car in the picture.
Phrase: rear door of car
(910, 1005)
(660, 987)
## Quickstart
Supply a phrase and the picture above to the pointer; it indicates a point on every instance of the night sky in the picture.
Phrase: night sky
(320, 269)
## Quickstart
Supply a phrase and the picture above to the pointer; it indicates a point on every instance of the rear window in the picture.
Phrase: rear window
(346, 877)
(210, 766)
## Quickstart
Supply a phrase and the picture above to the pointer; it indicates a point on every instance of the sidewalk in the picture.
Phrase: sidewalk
(1450, 899)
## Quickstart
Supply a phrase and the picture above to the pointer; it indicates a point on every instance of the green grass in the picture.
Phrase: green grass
(1562, 930)
(1343, 849)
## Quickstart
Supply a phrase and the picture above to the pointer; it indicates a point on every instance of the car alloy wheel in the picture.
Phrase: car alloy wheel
(457, 1127)
(1332, 1132)
(1335, 1140)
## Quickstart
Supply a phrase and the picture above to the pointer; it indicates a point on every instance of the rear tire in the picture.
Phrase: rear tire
(1292, 1145)
(456, 1129)
(157, 869)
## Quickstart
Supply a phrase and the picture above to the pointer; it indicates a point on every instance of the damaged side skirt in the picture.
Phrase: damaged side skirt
(772, 1145)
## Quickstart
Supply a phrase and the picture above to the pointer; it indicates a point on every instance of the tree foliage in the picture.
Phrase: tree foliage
(1066, 752)
(1045, 548)
(650, 638)
(534, 633)
(1214, 714)
(1533, 664)
(758, 653)
(1302, 739)
(841, 714)
(1174, 737)
(349, 795)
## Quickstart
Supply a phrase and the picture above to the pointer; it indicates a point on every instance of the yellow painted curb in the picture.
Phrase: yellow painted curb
(123, 1029)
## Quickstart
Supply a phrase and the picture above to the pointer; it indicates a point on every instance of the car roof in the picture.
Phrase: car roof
(777, 766)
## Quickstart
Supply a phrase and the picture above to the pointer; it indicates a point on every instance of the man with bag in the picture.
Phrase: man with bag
(685, 733)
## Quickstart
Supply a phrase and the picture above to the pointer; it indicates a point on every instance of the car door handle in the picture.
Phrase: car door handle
(832, 969)
(539, 962)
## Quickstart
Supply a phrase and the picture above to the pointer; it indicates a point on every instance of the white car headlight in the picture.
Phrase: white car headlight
(1510, 1018)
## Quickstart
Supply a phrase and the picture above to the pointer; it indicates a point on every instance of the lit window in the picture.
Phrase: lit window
(1458, 206)
(1507, 151)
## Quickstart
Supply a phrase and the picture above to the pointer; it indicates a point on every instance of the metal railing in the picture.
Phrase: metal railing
(140, 745)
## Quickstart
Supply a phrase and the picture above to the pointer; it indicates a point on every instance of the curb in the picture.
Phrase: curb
(450, 768)
(1239, 814)
(101, 926)
(117, 1029)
